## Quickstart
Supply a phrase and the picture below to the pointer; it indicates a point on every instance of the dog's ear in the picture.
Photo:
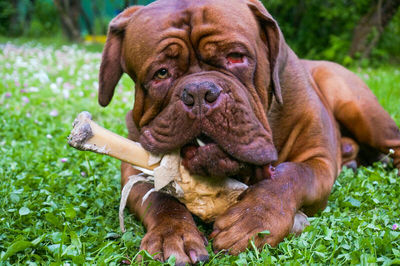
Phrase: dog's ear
(110, 68)
(275, 42)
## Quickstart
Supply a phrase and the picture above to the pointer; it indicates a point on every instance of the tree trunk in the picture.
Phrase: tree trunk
(69, 11)
(370, 27)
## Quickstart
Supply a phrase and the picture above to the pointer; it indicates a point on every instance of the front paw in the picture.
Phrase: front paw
(177, 238)
(257, 211)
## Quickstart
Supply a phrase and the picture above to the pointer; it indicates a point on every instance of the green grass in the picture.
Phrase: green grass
(59, 205)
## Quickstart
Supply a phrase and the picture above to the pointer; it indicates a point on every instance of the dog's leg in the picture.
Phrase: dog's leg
(271, 205)
(357, 109)
(303, 179)
(171, 229)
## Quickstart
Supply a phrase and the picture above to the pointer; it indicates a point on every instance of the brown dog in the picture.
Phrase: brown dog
(221, 71)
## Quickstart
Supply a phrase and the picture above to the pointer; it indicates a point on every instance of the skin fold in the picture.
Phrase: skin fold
(224, 74)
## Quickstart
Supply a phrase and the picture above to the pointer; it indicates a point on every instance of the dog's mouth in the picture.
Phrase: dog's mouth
(215, 157)
(211, 151)
(203, 156)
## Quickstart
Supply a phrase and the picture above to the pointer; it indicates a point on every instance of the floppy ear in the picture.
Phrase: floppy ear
(275, 42)
(110, 68)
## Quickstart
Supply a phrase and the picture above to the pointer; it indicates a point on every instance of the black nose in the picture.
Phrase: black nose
(200, 93)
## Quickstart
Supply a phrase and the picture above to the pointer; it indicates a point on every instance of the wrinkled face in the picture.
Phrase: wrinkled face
(202, 84)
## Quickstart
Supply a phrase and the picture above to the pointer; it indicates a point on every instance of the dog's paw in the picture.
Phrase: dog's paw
(257, 217)
(176, 238)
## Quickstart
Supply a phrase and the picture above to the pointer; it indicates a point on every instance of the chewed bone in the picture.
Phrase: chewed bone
(89, 136)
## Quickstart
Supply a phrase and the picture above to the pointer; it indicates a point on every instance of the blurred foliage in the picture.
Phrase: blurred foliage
(45, 19)
(314, 29)
(323, 29)
(28, 18)
(389, 45)
(6, 12)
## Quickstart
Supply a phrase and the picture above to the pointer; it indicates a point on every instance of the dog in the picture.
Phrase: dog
(221, 72)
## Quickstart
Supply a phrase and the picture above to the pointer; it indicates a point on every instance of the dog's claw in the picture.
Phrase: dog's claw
(193, 256)
(203, 258)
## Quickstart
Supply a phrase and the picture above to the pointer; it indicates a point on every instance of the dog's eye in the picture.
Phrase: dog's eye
(161, 73)
(235, 58)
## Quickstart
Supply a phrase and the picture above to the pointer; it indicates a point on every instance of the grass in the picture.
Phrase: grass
(59, 205)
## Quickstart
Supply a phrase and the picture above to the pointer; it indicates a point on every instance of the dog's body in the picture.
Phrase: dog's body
(224, 74)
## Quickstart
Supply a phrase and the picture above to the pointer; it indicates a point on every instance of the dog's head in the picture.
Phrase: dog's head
(205, 70)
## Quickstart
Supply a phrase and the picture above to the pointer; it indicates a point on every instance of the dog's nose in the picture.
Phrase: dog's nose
(201, 93)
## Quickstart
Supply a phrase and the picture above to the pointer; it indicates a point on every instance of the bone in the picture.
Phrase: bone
(86, 135)
(205, 197)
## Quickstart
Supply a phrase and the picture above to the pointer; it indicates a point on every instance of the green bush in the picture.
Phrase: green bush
(323, 29)
(388, 47)
(7, 11)
(28, 18)
(45, 20)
